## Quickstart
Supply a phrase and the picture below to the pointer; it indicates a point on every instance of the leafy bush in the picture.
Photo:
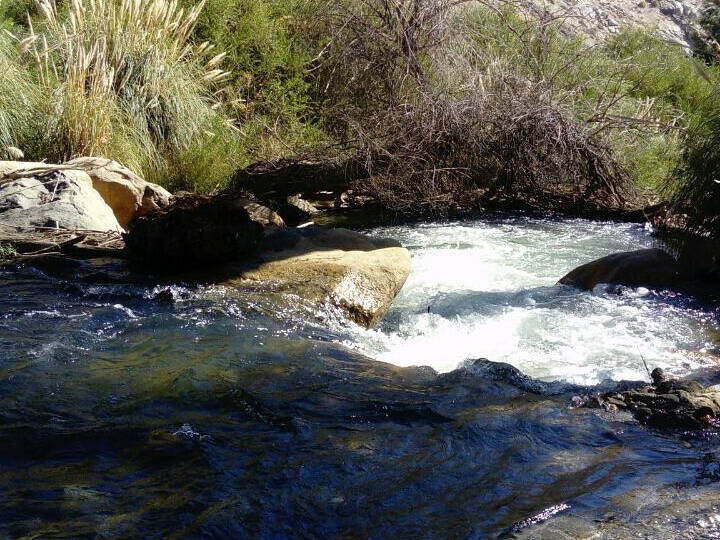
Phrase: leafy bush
(635, 91)
(15, 12)
(7, 251)
(269, 85)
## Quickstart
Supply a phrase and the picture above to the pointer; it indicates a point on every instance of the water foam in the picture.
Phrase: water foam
(488, 290)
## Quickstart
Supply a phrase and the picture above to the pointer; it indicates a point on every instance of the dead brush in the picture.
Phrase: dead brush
(439, 124)
(502, 143)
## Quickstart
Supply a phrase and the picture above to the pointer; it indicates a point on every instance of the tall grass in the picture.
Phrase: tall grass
(19, 99)
(121, 78)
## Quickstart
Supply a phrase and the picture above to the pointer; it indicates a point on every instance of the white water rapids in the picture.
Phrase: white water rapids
(487, 289)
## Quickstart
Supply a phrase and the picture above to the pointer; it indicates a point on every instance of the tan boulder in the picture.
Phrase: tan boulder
(358, 274)
(126, 193)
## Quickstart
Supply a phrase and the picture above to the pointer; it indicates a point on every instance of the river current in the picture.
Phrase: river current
(205, 412)
(488, 289)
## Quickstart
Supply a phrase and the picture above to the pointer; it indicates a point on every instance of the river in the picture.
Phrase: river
(132, 411)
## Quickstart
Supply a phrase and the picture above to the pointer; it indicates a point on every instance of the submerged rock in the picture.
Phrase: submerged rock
(193, 231)
(643, 268)
(667, 403)
(125, 192)
(37, 195)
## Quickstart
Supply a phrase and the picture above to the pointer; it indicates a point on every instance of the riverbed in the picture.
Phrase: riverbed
(146, 411)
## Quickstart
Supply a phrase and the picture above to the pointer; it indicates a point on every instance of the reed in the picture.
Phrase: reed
(123, 79)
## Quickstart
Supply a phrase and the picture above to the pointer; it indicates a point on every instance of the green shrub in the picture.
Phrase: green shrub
(268, 63)
(635, 90)
(7, 251)
(14, 13)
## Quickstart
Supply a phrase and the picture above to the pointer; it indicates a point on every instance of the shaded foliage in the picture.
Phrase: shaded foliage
(707, 42)
(694, 189)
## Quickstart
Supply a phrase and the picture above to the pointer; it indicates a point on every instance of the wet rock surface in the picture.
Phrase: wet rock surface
(357, 274)
(642, 268)
(667, 403)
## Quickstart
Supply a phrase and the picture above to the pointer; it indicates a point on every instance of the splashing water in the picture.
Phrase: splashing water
(487, 289)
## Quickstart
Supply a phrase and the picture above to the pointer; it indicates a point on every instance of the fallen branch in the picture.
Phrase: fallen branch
(61, 247)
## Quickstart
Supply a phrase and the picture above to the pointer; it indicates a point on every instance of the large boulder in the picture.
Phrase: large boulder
(643, 268)
(39, 196)
(193, 231)
(126, 193)
(358, 274)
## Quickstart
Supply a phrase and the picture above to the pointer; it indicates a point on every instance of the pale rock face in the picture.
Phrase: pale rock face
(55, 199)
(673, 20)
(354, 273)
(126, 193)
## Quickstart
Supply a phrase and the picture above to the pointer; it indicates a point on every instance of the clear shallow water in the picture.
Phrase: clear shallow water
(147, 412)
(487, 289)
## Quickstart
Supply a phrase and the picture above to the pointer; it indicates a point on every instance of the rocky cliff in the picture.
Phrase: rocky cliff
(674, 20)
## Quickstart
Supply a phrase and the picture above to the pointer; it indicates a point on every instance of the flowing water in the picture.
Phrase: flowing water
(204, 412)
(488, 289)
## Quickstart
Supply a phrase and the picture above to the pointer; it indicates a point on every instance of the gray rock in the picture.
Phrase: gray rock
(23, 193)
(262, 214)
(667, 404)
(296, 210)
(595, 20)
(56, 198)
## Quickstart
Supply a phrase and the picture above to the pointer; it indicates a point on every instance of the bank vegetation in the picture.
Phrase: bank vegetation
(428, 107)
